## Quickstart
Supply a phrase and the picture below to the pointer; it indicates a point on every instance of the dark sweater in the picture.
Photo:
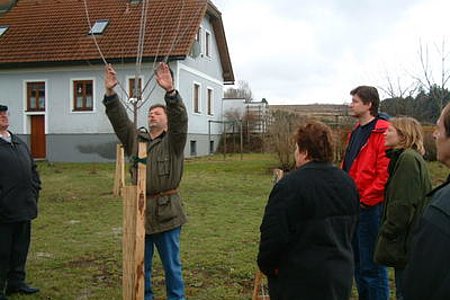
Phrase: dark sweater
(427, 275)
(19, 182)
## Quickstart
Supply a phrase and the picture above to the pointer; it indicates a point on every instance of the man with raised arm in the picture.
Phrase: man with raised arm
(165, 158)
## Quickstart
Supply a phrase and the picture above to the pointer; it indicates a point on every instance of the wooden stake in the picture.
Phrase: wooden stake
(128, 242)
(134, 199)
(119, 178)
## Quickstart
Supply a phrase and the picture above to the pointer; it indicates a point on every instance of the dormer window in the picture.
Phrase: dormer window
(99, 27)
(3, 29)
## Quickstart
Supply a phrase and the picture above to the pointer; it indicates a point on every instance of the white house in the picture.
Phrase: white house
(51, 71)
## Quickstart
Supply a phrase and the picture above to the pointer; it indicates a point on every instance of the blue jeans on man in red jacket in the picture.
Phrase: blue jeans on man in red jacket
(371, 278)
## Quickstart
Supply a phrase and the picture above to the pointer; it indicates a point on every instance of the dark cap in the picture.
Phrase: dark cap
(3, 107)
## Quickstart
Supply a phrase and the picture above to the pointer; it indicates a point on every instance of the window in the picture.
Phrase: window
(131, 88)
(193, 148)
(83, 96)
(3, 29)
(211, 147)
(196, 98)
(198, 37)
(99, 27)
(196, 48)
(208, 44)
(35, 96)
(210, 100)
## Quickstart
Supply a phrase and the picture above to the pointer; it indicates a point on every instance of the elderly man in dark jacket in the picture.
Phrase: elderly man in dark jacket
(19, 190)
(165, 156)
(427, 274)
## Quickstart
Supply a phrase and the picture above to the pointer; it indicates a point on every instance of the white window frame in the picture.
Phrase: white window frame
(200, 40)
(72, 96)
(26, 120)
(3, 29)
(210, 102)
(26, 82)
(195, 83)
(99, 27)
(128, 84)
(208, 41)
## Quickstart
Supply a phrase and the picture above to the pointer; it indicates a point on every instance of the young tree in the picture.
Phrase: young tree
(242, 90)
(281, 130)
(426, 80)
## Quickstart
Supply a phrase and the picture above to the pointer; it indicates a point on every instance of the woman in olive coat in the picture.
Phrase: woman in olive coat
(405, 194)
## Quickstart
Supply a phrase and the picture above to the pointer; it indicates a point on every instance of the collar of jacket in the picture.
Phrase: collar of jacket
(314, 164)
(380, 125)
(394, 153)
(433, 191)
(14, 139)
(145, 136)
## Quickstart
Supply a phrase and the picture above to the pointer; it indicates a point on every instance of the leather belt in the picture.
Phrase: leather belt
(165, 193)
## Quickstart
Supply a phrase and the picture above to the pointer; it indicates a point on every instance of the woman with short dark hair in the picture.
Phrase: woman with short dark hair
(308, 224)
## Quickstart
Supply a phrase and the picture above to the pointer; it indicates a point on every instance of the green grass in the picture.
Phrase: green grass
(76, 240)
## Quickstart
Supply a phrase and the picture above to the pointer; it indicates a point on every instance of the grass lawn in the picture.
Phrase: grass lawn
(76, 240)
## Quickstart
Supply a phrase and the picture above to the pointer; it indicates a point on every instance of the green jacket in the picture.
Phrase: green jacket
(165, 159)
(405, 198)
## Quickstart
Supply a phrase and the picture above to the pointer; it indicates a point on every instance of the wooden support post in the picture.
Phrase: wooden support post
(128, 242)
(260, 288)
(119, 178)
(256, 285)
(134, 232)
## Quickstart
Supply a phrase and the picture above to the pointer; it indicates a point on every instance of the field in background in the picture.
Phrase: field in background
(76, 240)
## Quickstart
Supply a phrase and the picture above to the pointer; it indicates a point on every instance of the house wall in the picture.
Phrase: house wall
(88, 136)
(207, 72)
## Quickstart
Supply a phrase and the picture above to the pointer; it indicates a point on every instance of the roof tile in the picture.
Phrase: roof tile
(57, 30)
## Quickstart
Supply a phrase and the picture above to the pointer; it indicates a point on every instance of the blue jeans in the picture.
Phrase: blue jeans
(168, 245)
(371, 279)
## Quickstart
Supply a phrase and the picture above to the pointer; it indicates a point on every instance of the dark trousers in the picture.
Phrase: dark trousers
(15, 242)
(371, 278)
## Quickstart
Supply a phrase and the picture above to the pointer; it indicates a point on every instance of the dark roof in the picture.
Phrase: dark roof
(51, 32)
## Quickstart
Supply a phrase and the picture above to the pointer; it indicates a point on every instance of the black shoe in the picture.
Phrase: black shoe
(21, 289)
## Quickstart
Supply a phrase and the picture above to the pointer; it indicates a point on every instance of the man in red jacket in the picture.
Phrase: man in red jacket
(366, 162)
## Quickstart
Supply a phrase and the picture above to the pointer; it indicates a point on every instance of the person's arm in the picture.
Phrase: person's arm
(371, 195)
(274, 231)
(176, 110)
(177, 122)
(110, 80)
(405, 195)
(117, 115)
(35, 179)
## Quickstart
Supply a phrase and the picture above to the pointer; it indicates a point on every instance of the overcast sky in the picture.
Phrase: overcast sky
(316, 51)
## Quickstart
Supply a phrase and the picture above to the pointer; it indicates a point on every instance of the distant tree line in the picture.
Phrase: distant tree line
(425, 106)
(427, 93)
